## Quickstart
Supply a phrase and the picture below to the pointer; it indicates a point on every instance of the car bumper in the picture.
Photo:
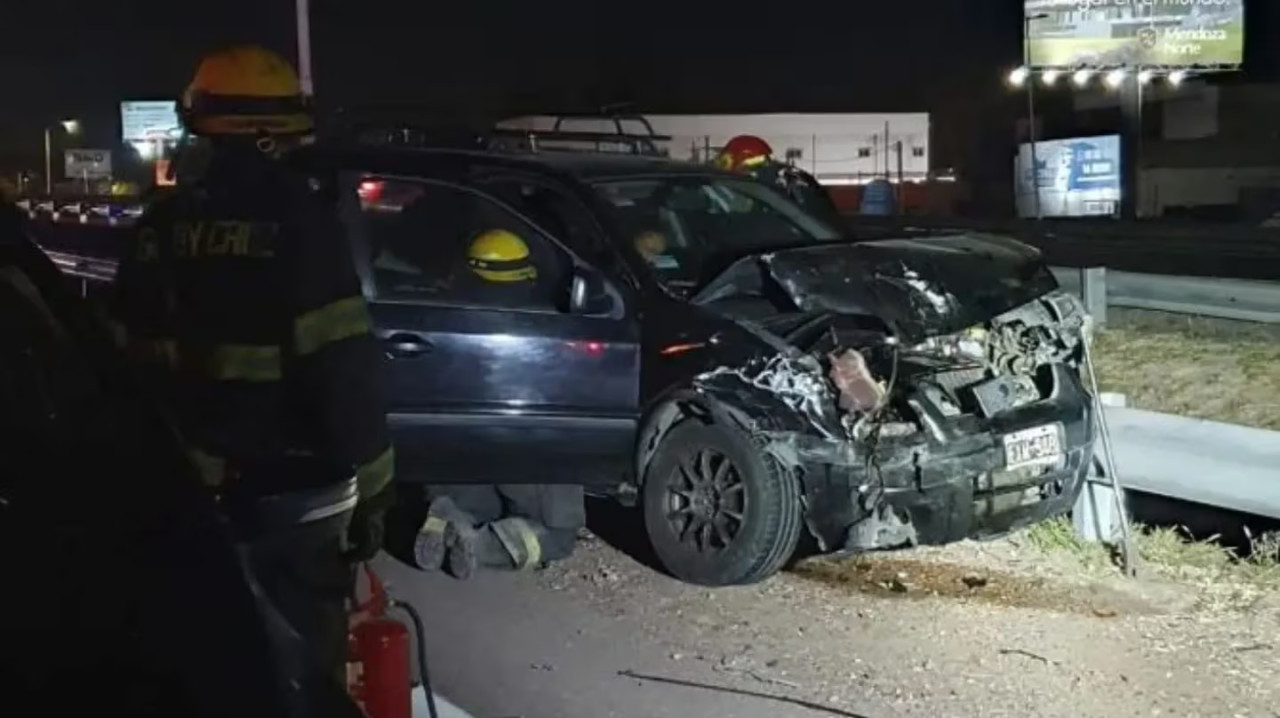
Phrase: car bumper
(951, 481)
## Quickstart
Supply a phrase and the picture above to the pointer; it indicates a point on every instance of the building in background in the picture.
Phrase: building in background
(834, 148)
(1205, 150)
(844, 152)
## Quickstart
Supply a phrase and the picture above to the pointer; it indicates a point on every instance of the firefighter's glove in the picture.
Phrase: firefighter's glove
(368, 525)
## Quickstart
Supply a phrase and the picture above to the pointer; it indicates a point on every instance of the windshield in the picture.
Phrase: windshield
(687, 227)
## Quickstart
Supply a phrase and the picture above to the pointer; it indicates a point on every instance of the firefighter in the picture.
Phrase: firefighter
(511, 527)
(238, 300)
(753, 156)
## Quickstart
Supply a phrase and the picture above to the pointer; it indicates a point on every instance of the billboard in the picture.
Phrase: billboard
(149, 120)
(1077, 177)
(1127, 33)
(87, 164)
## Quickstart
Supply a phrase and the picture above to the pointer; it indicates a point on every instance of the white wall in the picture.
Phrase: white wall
(835, 148)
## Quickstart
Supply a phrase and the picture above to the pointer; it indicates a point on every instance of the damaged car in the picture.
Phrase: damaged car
(692, 342)
(873, 395)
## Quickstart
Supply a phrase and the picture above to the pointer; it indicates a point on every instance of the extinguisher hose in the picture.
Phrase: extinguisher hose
(423, 674)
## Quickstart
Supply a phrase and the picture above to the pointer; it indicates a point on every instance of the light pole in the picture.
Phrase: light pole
(1031, 107)
(71, 127)
(303, 10)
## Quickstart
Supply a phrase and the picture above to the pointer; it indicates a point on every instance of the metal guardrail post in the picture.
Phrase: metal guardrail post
(1093, 291)
(1094, 515)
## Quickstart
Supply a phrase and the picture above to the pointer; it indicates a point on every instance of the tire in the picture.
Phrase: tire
(767, 506)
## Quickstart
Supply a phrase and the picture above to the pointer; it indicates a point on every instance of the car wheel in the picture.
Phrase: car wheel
(718, 510)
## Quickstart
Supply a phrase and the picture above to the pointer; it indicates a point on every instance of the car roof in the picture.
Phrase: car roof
(583, 166)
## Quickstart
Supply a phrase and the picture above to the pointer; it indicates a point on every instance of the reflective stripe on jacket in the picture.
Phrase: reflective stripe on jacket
(239, 297)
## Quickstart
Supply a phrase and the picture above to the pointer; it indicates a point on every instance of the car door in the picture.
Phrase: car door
(490, 383)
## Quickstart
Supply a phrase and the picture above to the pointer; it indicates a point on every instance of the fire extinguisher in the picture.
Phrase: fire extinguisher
(378, 669)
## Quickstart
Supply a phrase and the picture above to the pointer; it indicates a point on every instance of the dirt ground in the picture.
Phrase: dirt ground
(1004, 628)
(1207, 368)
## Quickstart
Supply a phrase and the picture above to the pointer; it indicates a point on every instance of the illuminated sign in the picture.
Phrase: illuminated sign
(87, 164)
(1076, 177)
(149, 120)
(1130, 33)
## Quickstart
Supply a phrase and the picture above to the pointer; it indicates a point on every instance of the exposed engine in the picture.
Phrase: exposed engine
(857, 382)
(992, 368)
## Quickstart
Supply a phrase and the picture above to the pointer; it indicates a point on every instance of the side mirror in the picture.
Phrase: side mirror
(588, 294)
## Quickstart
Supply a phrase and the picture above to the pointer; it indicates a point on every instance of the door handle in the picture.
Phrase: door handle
(404, 344)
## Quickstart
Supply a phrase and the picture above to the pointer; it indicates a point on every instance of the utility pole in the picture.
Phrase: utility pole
(1031, 108)
(1131, 100)
(48, 162)
(303, 8)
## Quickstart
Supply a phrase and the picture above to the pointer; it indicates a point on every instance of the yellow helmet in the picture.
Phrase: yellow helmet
(501, 256)
(246, 90)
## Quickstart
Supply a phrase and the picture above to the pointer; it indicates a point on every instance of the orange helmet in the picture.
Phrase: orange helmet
(246, 90)
(744, 151)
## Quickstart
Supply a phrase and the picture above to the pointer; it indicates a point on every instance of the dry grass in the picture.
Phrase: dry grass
(1226, 580)
(1210, 369)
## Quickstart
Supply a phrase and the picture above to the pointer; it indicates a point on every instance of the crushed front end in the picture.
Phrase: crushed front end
(964, 435)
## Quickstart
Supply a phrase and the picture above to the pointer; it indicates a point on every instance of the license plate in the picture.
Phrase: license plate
(1037, 446)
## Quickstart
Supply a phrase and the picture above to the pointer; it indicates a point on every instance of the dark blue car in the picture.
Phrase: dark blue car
(700, 344)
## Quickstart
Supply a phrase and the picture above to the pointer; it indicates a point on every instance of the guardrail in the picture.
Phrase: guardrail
(1196, 461)
(1239, 299)
(97, 211)
(85, 269)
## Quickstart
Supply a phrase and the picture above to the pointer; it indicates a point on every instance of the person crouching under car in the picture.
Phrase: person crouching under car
(509, 527)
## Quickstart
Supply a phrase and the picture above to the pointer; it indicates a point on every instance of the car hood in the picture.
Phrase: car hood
(919, 287)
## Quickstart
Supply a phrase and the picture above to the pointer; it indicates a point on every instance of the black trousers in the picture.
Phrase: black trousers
(305, 575)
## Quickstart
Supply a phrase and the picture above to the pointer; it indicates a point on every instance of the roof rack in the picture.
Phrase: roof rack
(558, 139)
(575, 141)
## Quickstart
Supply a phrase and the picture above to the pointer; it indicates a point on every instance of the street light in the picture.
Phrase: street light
(1050, 77)
(1176, 77)
(1081, 78)
(71, 127)
(1115, 78)
(1031, 107)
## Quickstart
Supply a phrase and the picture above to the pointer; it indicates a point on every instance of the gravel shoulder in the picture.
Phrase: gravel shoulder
(991, 629)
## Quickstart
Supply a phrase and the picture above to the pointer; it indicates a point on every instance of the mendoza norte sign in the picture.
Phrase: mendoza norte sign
(91, 164)
(1127, 33)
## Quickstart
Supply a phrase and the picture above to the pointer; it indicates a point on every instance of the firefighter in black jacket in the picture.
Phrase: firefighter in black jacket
(753, 156)
(239, 297)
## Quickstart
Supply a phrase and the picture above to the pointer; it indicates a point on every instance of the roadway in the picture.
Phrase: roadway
(502, 646)
(989, 630)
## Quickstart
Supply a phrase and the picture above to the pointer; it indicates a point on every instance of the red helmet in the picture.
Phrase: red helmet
(743, 151)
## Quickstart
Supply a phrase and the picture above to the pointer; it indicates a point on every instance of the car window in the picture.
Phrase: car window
(443, 244)
(560, 214)
(680, 226)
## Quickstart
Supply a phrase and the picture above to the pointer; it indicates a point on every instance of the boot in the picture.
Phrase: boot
(446, 540)
(520, 541)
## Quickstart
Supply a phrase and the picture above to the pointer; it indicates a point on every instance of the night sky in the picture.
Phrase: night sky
(490, 57)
